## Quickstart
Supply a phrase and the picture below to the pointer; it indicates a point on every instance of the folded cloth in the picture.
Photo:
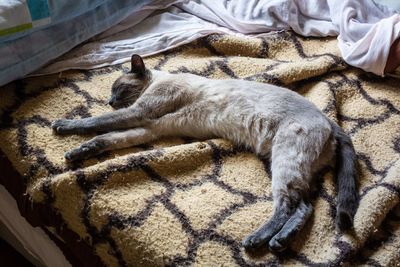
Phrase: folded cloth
(143, 32)
(24, 48)
(22, 16)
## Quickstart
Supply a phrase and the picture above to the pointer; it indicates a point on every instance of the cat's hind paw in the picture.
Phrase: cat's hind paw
(253, 241)
(277, 245)
(62, 126)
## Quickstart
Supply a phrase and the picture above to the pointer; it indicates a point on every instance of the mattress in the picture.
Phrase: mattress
(181, 201)
(31, 242)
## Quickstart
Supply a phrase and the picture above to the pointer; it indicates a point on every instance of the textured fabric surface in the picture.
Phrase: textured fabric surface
(183, 201)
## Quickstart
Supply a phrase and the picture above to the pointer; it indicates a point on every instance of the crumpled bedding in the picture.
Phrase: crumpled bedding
(182, 202)
(365, 29)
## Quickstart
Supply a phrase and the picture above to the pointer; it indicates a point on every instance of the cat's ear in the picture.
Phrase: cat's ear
(137, 65)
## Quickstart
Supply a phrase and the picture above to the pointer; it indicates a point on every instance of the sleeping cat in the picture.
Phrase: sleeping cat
(270, 120)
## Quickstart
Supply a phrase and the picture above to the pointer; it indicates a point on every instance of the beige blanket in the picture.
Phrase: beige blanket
(188, 202)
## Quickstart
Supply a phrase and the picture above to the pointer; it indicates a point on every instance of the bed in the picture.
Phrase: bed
(180, 202)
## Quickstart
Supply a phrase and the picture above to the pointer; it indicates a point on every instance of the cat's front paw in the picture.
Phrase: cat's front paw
(63, 126)
(86, 150)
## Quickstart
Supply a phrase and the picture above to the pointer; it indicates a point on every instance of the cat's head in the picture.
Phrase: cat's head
(127, 88)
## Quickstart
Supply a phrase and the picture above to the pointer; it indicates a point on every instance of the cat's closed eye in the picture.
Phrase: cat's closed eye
(122, 95)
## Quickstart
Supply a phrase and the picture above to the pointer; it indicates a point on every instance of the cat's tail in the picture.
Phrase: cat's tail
(346, 171)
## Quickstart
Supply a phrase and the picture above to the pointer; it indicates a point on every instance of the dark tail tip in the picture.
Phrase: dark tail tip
(346, 170)
(344, 220)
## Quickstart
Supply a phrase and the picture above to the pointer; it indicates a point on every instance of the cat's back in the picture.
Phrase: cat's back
(220, 88)
(240, 96)
(260, 96)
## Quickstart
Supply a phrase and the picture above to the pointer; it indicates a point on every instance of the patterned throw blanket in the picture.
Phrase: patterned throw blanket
(189, 202)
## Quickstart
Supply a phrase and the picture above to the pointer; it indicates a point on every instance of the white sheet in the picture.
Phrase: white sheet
(140, 34)
(365, 29)
(34, 239)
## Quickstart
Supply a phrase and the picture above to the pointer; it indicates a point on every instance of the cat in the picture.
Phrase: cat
(272, 121)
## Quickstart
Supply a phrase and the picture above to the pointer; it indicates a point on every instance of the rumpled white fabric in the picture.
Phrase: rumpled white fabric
(138, 34)
(364, 28)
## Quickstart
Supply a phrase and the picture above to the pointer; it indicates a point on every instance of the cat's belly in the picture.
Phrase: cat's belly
(177, 125)
(254, 130)
(258, 140)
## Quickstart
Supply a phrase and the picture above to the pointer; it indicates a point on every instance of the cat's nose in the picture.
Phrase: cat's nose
(111, 102)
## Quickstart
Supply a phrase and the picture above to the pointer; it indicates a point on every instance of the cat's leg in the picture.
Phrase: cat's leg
(111, 141)
(262, 235)
(116, 120)
(146, 108)
(295, 223)
(287, 193)
(294, 150)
